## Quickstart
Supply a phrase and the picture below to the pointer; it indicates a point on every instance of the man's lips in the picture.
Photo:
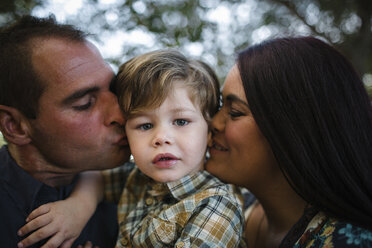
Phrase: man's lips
(122, 141)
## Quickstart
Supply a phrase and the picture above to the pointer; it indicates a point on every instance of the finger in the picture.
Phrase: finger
(88, 244)
(67, 243)
(34, 224)
(55, 241)
(36, 236)
(43, 209)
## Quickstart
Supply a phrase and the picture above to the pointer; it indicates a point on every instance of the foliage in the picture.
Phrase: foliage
(369, 90)
(347, 24)
(171, 24)
(216, 29)
(2, 140)
(12, 9)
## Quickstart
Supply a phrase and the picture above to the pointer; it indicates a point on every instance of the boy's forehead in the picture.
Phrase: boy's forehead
(178, 100)
(173, 109)
(158, 94)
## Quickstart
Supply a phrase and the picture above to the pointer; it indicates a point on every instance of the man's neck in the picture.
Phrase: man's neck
(29, 159)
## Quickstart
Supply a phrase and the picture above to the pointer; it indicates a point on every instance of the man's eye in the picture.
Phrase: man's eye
(181, 122)
(145, 126)
(83, 107)
(85, 102)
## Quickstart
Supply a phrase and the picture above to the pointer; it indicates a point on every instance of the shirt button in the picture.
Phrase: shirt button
(180, 244)
(149, 201)
(124, 241)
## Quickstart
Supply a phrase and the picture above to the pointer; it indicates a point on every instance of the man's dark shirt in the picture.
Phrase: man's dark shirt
(20, 194)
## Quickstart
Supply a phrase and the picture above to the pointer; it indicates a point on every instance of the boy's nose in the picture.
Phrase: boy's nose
(161, 138)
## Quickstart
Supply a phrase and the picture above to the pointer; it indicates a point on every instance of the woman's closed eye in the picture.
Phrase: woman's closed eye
(235, 114)
(236, 107)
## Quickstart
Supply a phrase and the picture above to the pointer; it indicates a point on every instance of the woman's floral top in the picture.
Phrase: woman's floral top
(326, 232)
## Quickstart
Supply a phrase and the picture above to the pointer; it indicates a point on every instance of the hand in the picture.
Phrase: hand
(88, 244)
(63, 221)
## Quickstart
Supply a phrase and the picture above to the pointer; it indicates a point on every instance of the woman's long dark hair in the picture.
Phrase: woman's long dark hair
(313, 109)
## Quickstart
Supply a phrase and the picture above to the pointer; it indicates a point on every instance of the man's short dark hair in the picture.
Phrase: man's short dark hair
(20, 86)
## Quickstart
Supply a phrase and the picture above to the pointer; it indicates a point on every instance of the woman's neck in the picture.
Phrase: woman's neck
(279, 208)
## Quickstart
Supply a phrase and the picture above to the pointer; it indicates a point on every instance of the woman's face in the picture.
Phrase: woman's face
(239, 152)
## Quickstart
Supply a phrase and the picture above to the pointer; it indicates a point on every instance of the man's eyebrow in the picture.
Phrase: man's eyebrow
(79, 94)
(235, 98)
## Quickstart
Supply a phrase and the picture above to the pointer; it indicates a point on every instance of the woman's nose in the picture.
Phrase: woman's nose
(218, 121)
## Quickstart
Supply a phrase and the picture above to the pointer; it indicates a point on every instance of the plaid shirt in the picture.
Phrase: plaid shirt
(195, 211)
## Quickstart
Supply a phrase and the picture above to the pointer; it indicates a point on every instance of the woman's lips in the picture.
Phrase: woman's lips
(218, 147)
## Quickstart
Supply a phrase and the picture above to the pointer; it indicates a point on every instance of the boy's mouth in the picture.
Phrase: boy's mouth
(164, 157)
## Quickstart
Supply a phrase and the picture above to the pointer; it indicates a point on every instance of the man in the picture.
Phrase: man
(59, 118)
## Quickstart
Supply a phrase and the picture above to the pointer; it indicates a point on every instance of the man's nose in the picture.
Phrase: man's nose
(114, 116)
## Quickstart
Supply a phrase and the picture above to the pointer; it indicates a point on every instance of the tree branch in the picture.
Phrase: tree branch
(292, 9)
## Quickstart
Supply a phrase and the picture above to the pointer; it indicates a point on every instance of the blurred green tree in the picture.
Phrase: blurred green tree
(12, 9)
(216, 29)
(347, 24)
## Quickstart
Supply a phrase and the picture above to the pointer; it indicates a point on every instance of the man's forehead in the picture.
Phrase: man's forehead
(61, 46)
(58, 57)
(77, 64)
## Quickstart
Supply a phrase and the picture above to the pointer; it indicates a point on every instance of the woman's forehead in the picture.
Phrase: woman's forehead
(233, 84)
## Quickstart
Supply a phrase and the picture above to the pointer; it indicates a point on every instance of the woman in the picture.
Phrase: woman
(295, 129)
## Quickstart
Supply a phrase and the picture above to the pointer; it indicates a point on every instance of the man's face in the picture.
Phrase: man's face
(79, 125)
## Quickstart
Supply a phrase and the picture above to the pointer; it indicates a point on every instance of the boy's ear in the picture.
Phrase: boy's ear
(13, 126)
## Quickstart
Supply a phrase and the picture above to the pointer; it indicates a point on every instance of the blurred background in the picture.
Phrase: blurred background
(210, 30)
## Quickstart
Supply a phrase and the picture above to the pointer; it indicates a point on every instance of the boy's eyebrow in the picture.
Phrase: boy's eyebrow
(146, 113)
(178, 110)
(79, 94)
(235, 98)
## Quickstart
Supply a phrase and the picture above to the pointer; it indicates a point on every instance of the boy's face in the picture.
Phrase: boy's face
(169, 142)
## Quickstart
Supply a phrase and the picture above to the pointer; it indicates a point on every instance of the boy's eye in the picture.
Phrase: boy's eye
(181, 122)
(145, 126)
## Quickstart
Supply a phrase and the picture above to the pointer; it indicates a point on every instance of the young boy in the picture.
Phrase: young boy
(166, 199)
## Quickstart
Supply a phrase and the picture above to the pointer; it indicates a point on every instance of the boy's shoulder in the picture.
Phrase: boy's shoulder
(201, 183)
(123, 169)
(202, 189)
(189, 210)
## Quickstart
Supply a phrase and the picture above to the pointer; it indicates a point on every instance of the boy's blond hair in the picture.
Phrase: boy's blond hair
(146, 80)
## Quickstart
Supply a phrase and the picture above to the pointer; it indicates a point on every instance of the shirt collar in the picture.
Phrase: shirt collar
(186, 186)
